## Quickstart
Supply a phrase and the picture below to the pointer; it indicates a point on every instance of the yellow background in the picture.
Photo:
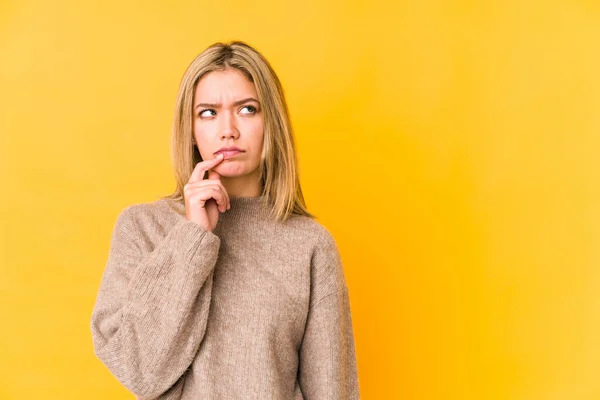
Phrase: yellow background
(451, 147)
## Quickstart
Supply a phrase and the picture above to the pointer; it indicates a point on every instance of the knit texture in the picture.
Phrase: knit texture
(255, 309)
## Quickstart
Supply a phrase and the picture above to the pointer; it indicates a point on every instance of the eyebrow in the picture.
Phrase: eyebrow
(236, 103)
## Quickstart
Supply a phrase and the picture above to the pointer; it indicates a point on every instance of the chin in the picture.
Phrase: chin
(235, 169)
(231, 170)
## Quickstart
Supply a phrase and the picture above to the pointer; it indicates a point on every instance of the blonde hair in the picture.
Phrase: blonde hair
(278, 167)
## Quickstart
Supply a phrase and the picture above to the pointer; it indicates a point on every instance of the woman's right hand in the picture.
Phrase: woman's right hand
(204, 198)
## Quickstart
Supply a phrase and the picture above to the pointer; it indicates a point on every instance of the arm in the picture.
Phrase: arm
(152, 307)
(327, 368)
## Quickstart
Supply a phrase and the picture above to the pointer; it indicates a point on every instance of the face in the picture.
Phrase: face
(227, 115)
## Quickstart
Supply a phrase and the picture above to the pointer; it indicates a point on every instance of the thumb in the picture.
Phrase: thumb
(212, 174)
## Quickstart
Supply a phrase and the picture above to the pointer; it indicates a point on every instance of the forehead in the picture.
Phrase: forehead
(228, 84)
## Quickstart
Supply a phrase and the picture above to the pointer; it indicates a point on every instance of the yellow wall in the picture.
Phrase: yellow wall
(463, 189)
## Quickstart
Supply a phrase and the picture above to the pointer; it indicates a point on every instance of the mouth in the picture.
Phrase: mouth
(229, 152)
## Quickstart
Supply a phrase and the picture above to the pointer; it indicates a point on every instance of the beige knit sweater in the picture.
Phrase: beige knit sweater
(255, 309)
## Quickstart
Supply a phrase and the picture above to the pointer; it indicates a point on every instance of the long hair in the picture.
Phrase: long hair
(279, 166)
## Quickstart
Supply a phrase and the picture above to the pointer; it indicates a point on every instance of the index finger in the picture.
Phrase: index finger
(203, 166)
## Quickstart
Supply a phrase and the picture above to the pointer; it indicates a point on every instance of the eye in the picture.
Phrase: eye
(251, 110)
(207, 113)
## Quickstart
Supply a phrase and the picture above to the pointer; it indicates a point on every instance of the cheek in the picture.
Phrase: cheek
(257, 130)
(205, 130)
(201, 133)
(257, 143)
(200, 130)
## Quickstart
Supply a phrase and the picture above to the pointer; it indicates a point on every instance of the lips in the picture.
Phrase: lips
(229, 152)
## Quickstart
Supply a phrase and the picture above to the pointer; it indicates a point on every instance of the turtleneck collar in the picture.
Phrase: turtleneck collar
(242, 208)
(247, 207)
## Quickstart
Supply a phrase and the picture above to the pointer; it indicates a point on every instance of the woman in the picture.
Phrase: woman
(228, 288)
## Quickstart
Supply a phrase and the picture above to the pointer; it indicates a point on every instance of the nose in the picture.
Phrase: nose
(227, 127)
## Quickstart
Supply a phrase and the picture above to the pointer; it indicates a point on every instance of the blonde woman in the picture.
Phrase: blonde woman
(228, 288)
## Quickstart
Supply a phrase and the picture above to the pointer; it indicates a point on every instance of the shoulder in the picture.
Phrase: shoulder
(327, 273)
(324, 252)
(311, 231)
(147, 216)
(140, 227)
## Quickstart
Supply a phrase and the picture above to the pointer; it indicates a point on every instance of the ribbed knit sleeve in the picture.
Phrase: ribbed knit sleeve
(151, 310)
(327, 367)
